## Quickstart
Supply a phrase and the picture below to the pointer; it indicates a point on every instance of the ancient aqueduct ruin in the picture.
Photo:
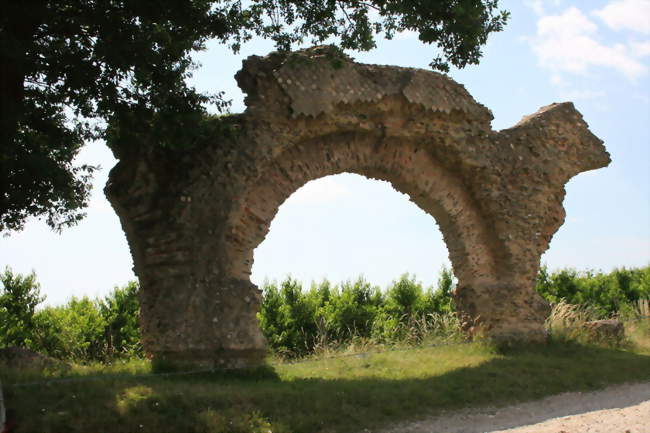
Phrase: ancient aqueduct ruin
(192, 221)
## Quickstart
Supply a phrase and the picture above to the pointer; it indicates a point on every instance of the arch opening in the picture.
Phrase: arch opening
(409, 169)
(342, 226)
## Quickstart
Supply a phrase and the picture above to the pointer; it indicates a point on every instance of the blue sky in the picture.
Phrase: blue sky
(595, 53)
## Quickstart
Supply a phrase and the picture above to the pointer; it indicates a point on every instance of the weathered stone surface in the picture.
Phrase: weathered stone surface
(193, 220)
(607, 330)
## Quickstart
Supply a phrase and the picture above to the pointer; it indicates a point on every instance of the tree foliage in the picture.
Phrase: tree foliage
(82, 329)
(76, 70)
(91, 330)
(121, 312)
(73, 331)
(19, 296)
(296, 321)
(607, 293)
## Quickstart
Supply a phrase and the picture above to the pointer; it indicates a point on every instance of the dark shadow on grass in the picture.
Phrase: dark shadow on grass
(206, 402)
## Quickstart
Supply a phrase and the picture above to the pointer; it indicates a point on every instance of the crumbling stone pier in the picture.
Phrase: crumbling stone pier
(193, 219)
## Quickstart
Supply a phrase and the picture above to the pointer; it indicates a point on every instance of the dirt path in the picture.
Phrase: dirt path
(618, 409)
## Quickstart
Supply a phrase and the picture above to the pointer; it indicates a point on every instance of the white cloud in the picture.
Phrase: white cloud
(557, 79)
(641, 49)
(538, 5)
(572, 22)
(326, 189)
(574, 95)
(627, 14)
(596, 98)
(567, 43)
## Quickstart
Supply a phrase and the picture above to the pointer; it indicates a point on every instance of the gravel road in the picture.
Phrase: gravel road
(617, 409)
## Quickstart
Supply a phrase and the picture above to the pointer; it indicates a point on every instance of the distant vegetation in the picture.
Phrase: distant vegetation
(363, 363)
(298, 322)
(81, 330)
(295, 320)
(616, 293)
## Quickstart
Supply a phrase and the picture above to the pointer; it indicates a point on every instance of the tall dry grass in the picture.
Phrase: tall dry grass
(415, 330)
(638, 328)
(570, 322)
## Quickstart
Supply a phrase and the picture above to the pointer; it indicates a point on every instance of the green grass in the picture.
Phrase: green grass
(321, 395)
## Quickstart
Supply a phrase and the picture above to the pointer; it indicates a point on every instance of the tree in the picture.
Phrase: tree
(77, 70)
(74, 331)
(121, 313)
(19, 296)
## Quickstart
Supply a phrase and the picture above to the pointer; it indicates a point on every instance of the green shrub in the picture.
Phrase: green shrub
(121, 313)
(606, 294)
(287, 317)
(441, 300)
(81, 330)
(411, 314)
(404, 298)
(92, 330)
(297, 322)
(19, 296)
(350, 310)
(74, 331)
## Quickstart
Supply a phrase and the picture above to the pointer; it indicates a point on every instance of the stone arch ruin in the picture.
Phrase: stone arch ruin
(193, 219)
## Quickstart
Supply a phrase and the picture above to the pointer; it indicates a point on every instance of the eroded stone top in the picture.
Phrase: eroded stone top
(316, 82)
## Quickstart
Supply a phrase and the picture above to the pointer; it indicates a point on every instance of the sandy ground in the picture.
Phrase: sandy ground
(618, 409)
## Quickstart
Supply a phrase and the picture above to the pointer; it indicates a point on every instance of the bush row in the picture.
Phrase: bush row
(295, 320)
(81, 330)
(607, 294)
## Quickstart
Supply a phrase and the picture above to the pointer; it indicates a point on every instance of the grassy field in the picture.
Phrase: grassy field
(346, 394)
